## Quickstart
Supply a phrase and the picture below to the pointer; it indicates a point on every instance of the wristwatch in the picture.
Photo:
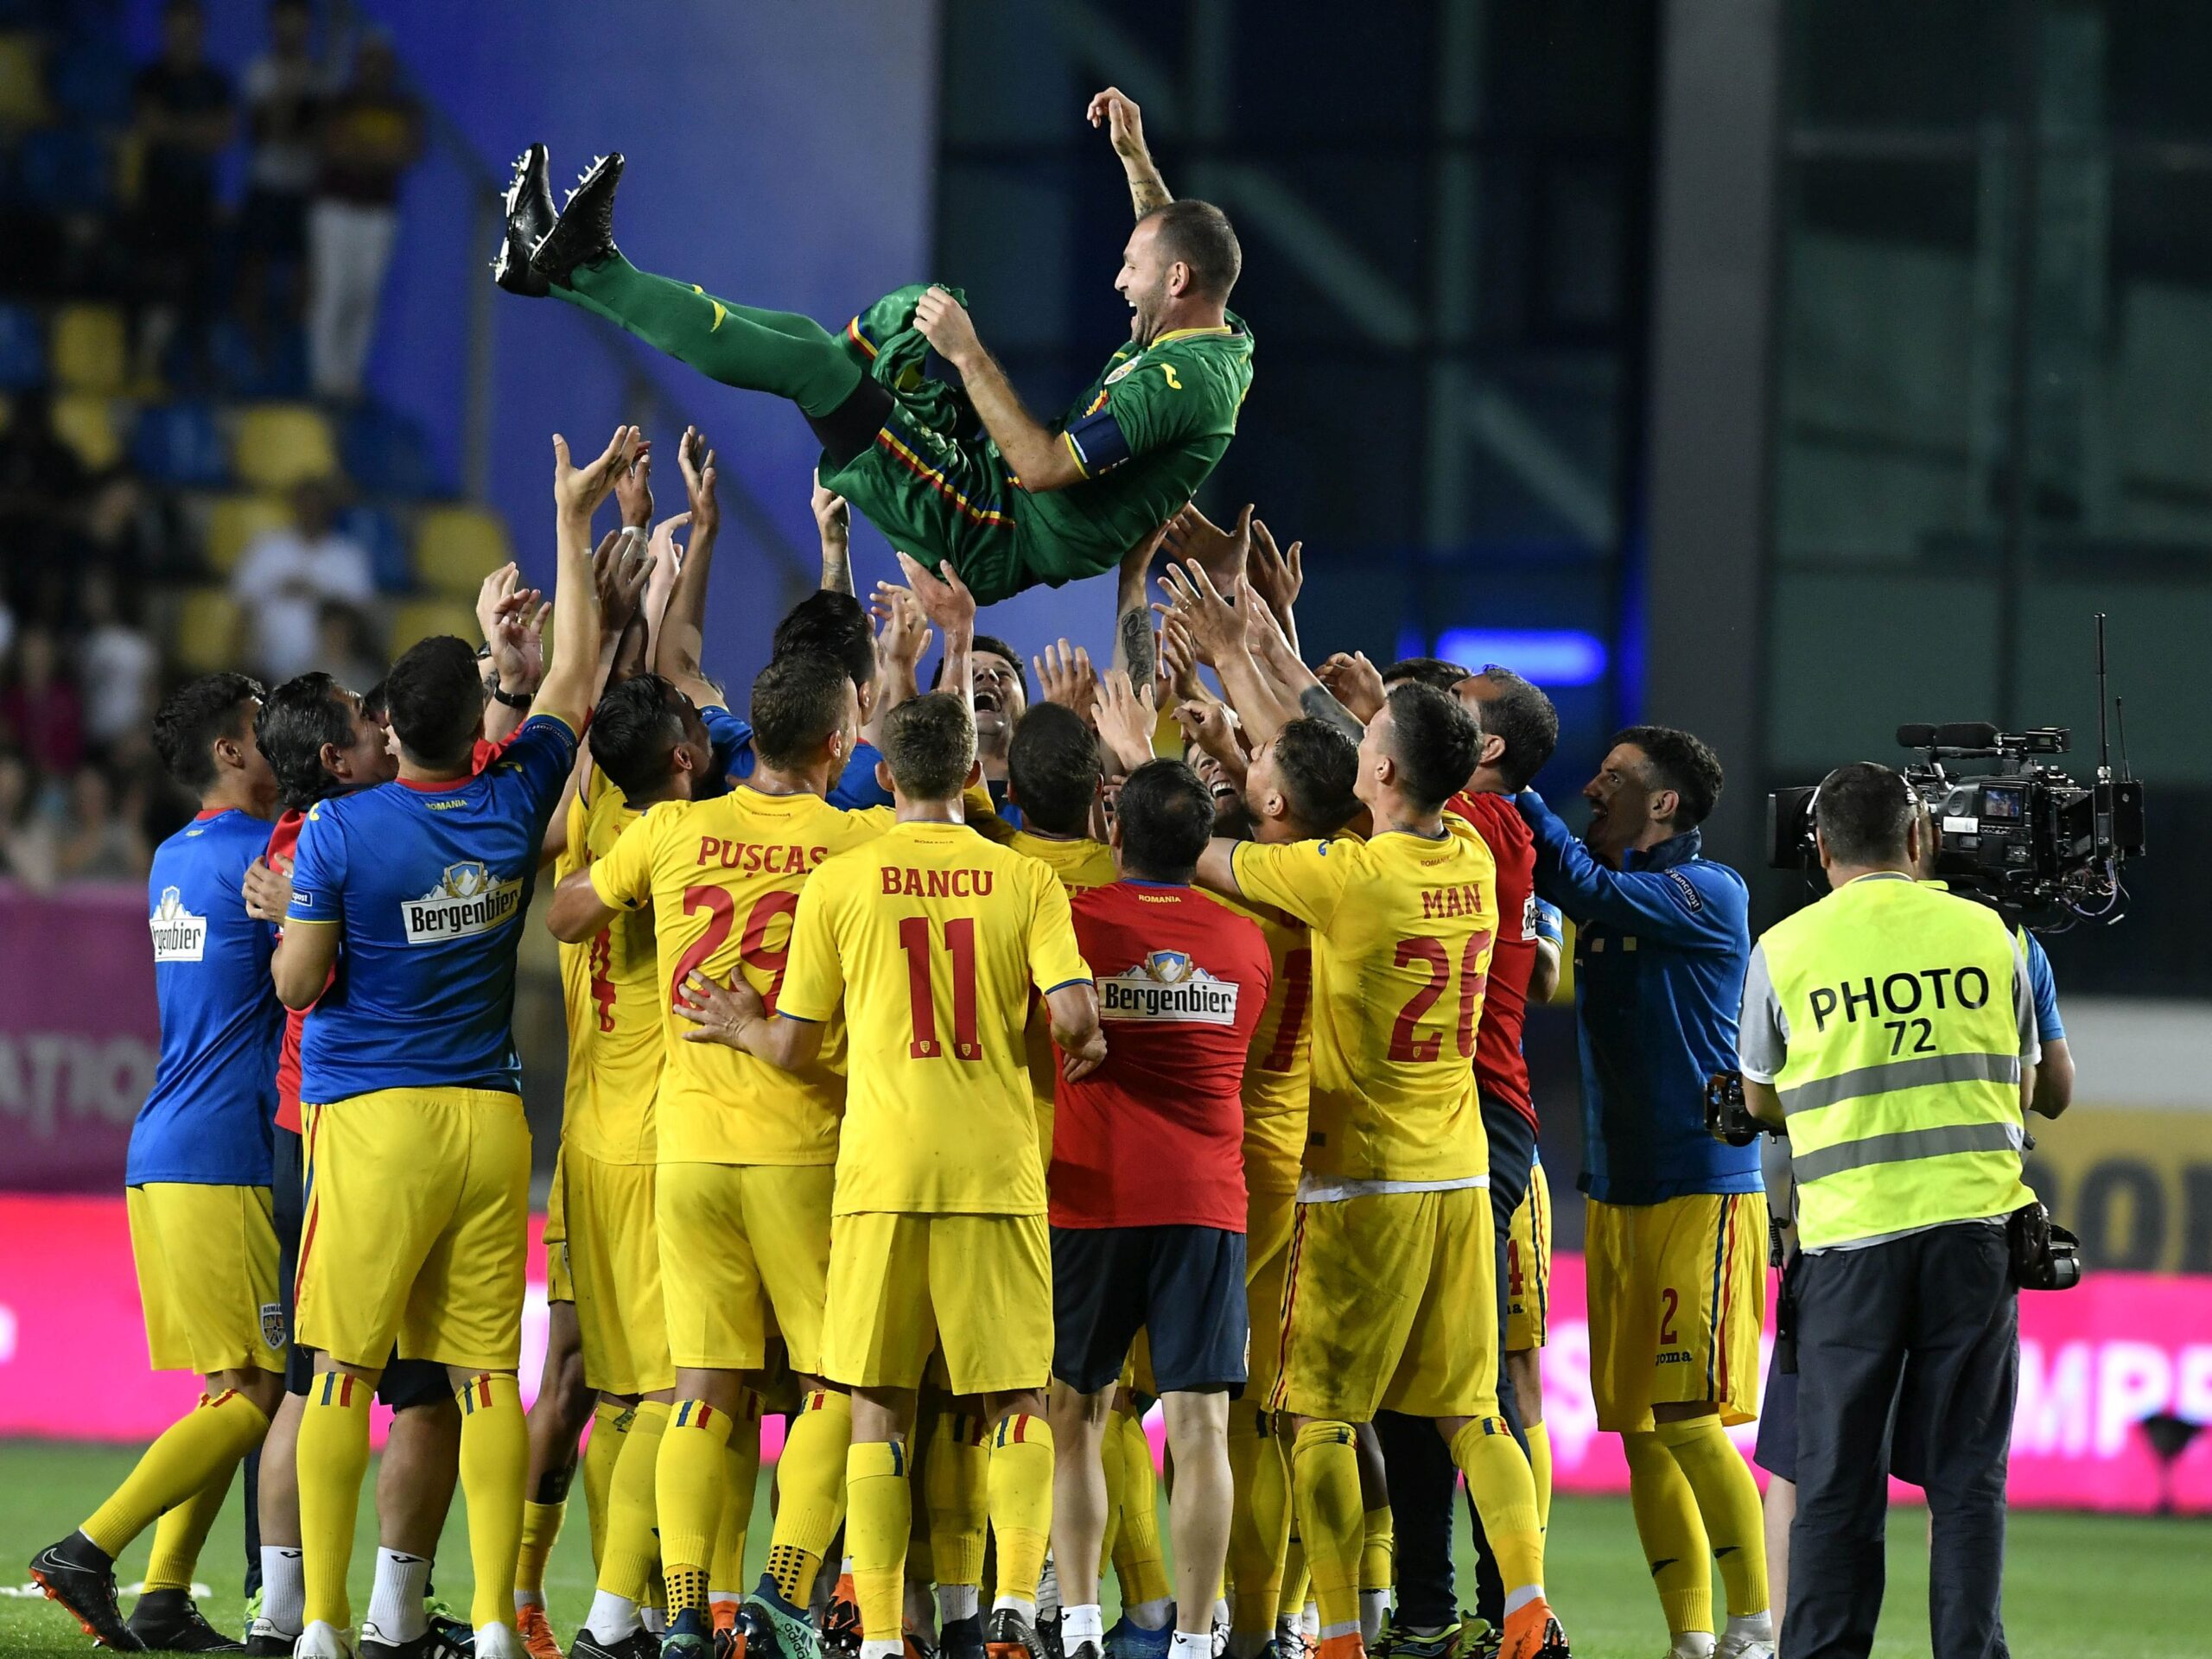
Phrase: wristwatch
(513, 699)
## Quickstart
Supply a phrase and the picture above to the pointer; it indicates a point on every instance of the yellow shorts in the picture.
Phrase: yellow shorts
(981, 1286)
(744, 1253)
(613, 1254)
(1381, 1312)
(1528, 1266)
(1677, 1293)
(417, 1227)
(1268, 1218)
(560, 1283)
(206, 1259)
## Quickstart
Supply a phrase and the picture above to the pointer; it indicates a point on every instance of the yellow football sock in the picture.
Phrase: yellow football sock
(811, 1480)
(1325, 1475)
(690, 1464)
(1020, 1487)
(956, 1497)
(181, 1532)
(1378, 1550)
(1728, 1504)
(1505, 1496)
(1109, 1460)
(331, 1457)
(207, 1440)
(1672, 1533)
(627, 1568)
(541, 1526)
(494, 1473)
(740, 1482)
(878, 1513)
(1137, 1561)
(1259, 1518)
(1539, 1470)
(1297, 1581)
(610, 1426)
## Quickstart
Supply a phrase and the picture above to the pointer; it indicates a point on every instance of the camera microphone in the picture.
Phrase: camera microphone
(1966, 735)
(1914, 737)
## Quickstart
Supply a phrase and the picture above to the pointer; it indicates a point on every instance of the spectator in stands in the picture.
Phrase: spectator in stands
(346, 645)
(40, 480)
(41, 709)
(116, 665)
(134, 531)
(286, 576)
(26, 839)
(283, 92)
(371, 134)
(99, 841)
(186, 115)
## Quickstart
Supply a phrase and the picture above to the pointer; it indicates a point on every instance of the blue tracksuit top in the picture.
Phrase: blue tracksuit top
(1660, 949)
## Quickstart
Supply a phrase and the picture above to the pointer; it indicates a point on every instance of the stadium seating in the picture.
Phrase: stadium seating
(417, 619)
(376, 530)
(234, 521)
(90, 78)
(180, 443)
(91, 349)
(23, 81)
(86, 421)
(456, 548)
(22, 348)
(64, 169)
(206, 631)
(387, 453)
(276, 446)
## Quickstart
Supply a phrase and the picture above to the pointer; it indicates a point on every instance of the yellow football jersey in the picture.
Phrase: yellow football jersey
(1403, 929)
(932, 938)
(614, 1018)
(1279, 1065)
(723, 878)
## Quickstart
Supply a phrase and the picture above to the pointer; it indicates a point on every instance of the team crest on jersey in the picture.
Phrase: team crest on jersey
(467, 900)
(179, 936)
(1122, 373)
(273, 1325)
(1168, 985)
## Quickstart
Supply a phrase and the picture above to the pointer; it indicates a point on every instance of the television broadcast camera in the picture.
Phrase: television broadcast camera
(2022, 835)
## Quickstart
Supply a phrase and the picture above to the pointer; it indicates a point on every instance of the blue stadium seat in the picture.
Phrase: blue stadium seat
(389, 454)
(376, 531)
(22, 348)
(65, 168)
(277, 369)
(90, 78)
(180, 443)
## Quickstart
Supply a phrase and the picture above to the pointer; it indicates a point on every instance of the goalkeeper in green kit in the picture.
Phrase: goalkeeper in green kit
(964, 472)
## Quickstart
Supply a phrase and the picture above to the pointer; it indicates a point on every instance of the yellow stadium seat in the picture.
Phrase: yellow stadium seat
(234, 523)
(91, 349)
(86, 423)
(23, 81)
(456, 548)
(206, 631)
(417, 619)
(278, 445)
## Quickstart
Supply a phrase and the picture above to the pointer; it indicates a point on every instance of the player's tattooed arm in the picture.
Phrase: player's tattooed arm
(1038, 458)
(1125, 127)
(734, 1016)
(577, 911)
(1134, 652)
(676, 647)
(833, 520)
(1355, 682)
(1315, 702)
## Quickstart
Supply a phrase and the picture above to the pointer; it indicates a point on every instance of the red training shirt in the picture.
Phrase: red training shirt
(1154, 1137)
(1501, 1069)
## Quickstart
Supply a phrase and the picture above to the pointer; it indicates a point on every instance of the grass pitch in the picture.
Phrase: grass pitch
(2082, 1586)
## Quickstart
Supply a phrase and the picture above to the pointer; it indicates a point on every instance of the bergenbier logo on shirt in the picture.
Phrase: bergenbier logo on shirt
(1167, 985)
(179, 936)
(467, 900)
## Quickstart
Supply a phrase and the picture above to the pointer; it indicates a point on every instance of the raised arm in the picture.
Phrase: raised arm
(944, 599)
(1669, 904)
(833, 520)
(512, 619)
(1217, 628)
(677, 649)
(565, 693)
(1135, 652)
(902, 636)
(1124, 125)
(1040, 458)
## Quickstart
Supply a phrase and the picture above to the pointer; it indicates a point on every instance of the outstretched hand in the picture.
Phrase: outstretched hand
(580, 490)
(696, 463)
(1065, 674)
(833, 517)
(1196, 539)
(517, 637)
(945, 598)
(1278, 572)
(1124, 120)
(945, 323)
(902, 633)
(634, 487)
(1125, 717)
(1354, 682)
(1216, 627)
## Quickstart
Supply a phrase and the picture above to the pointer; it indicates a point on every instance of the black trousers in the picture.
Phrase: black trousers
(1419, 1464)
(1930, 1321)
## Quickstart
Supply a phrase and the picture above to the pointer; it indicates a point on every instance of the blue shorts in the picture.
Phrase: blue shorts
(1184, 1287)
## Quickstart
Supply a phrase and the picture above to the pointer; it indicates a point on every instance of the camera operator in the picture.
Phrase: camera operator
(1891, 1029)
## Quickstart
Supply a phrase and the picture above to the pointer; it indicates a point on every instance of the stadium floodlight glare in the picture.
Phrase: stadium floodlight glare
(1547, 656)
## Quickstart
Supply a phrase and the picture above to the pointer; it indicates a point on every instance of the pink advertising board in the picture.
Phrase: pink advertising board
(2094, 1362)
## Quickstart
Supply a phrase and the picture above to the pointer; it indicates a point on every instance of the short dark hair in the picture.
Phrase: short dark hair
(373, 706)
(1524, 717)
(1199, 234)
(297, 719)
(1054, 767)
(1435, 741)
(435, 694)
(193, 716)
(635, 731)
(798, 702)
(1165, 815)
(997, 648)
(1680, 762)
(833, 623)
(929, 743)
(1318, 762)
(1862, 812)
(1426, 671)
